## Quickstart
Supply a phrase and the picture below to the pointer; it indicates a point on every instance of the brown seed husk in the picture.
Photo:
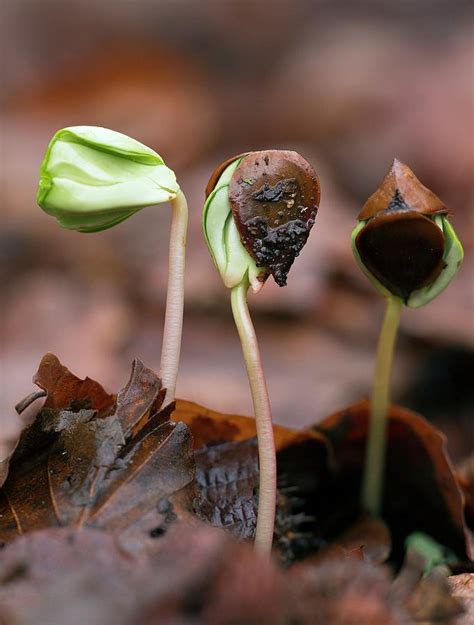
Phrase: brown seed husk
(274, 196)
(218, 171)
(401, 182)
(402, 249)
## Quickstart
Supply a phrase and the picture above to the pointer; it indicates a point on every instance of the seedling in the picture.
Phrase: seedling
(407, 248)
(93, 178)
(259, 211)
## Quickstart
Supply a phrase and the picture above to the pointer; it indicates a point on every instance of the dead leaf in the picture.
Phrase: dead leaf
(421, 491)
(199, 577)
(210, 427)
(227, 477)
(83, 463)
(66, 391)
(61, 576)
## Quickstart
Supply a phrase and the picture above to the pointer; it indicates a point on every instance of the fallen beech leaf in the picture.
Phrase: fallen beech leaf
(61, 576)
(421, 492)
(227, 477)
(82, 463)
(67, 391)
(212, 581)
(210, 427)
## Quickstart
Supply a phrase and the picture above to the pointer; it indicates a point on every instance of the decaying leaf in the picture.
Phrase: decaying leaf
(93, 473)
(210, 427)
(90, 461)
(59, 576)
(421, 491)
(227, 477)
(67, 391)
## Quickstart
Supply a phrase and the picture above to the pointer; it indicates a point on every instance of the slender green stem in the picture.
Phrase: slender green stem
(374, 468)
(171, 344)
(263, 416)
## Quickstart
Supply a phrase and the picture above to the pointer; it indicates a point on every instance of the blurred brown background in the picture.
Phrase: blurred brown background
(348, 84)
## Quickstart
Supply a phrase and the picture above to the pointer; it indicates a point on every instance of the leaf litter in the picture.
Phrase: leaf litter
(95, 479)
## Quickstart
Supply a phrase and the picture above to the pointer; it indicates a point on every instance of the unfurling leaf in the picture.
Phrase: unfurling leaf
(92, 178)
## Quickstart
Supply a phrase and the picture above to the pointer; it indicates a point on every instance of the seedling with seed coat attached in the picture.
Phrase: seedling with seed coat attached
(259, 211)
(93, 178)
(407, 248)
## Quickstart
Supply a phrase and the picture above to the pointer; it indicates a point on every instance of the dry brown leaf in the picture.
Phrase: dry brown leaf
(421, 491)
(210, 427)
(59, 576)
(90, 461)
(227, 477)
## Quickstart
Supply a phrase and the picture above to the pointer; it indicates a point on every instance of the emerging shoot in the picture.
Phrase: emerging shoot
(259, 211)
(92, 178)
(407, 248)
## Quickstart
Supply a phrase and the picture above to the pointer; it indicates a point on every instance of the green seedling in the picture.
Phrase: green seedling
(93, 178)
(407, 248)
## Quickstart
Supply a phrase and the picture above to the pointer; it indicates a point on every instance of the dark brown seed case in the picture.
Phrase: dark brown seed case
(402, 249)
(401, 245)
(274, 195)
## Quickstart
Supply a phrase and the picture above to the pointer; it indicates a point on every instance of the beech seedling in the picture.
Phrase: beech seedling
(259, 211)
(93, 178)
(405, 245)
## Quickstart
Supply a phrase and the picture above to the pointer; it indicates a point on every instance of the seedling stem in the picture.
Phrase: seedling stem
(374, 467)
(263, 416)
(171, 344)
